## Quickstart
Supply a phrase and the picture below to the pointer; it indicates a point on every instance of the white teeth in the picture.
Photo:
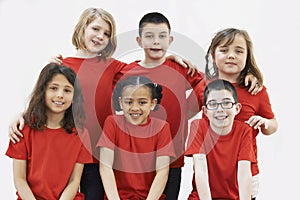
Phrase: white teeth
(135, 115)
(221, 117)
(58, 102)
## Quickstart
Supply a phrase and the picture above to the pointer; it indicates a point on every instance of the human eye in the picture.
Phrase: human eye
(227, 104)
(148, 36)
(95, 28)
(127, 102)
(163, 36)
(240, 51)
(143, 103)
(107, 34)
(68, 90)
(54, 88)
(212, 105)
(223, 50)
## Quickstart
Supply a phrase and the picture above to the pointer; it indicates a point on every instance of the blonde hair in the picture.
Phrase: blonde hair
(85, 19)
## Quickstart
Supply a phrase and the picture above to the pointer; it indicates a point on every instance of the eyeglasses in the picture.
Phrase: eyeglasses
(224, 104)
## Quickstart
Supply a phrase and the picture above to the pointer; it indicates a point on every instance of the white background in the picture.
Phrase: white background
(32, 31)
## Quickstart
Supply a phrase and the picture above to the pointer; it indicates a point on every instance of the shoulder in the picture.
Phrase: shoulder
(240, 126)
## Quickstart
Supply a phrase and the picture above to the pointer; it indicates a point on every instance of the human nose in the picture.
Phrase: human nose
(100, 35)
(231, 55)
(60, 94)
(155, 40)
(134, 106)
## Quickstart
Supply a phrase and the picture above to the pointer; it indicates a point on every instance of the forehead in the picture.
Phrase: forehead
(238, 40)
(152, 27)
(133, 91)
(98, 21)
(219, 95)
(60, 79)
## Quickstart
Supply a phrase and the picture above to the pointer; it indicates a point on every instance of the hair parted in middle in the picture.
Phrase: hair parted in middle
(35, 115)
(155, 89)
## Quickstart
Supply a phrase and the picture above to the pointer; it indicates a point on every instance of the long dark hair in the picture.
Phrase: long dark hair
(35, 114)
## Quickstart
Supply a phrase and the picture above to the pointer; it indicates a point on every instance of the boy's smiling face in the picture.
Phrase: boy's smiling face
(155, 40)
(221, 119)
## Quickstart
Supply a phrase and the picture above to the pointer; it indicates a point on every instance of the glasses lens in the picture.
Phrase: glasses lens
(226, 104)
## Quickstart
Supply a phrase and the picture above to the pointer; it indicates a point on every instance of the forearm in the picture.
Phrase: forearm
(272, 127)
(244, 180)
(70, 191)
(23, 189)
(158, 184)
(202, 177)
(109, 182)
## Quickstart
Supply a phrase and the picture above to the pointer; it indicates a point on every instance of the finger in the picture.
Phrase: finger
(246, 81)
(252, 87)
(21, 125)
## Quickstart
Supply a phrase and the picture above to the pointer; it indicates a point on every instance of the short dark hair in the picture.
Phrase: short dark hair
(155, 89)
(220, 84)
(155, 18)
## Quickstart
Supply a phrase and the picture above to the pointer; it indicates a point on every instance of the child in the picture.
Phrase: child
(135, 148)
(221, 147)
(48, 160)
(95, 40)
(231, 51)
(154, 37)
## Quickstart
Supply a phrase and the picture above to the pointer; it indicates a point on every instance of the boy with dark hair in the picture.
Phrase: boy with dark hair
(221, 147)
(155, 39)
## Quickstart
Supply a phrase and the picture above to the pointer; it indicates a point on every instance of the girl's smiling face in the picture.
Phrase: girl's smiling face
(96, 36)
(137, 103)
(231, 59)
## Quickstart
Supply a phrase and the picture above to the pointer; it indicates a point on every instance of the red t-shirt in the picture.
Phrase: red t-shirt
(222, 154)
(96, 81)
(136, 149)
(175, 82)
(258, 104)
(51, 155)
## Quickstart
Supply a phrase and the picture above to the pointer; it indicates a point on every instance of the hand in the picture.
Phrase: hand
(255, 86)
(192, 69)
(14, 129)
(257, 122)
(57, 59)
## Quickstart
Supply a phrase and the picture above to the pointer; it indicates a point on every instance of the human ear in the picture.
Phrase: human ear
(204, 110)
(120, 103)
(238, 108)
(153, 103)
(171, 38)
(139, 41)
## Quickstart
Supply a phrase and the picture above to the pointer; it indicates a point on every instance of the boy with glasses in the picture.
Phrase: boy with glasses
(221, 147)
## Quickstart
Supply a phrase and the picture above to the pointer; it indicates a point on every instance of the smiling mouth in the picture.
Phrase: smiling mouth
(155, 49)
(58, 103)
(134, 115)
(221, 117)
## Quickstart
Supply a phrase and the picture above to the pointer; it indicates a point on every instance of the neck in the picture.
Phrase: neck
(223, 130)
(231, 78)
(54, 120)
(84, 54)
(151, 63)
